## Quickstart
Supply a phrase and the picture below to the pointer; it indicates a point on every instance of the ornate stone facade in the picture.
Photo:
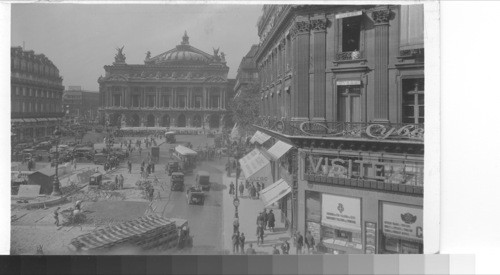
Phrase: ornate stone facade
(180, 88)
(36, 96)
(344, 69)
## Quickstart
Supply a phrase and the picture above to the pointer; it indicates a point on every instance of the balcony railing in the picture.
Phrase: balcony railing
(36, 115)
(354, 130)
(347, 56)
(119, 108)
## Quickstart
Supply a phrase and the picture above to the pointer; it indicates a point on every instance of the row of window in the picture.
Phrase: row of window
(40, 69)
(167, 101)
(35, 106)
(349, 103)
(164, 89)
(34, 92)
(349, 48)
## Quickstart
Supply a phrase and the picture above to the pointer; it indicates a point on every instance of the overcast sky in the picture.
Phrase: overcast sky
(80, 39)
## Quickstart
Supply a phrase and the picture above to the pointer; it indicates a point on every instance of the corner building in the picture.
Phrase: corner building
(182, 88)
(36, 96)
(344, 86)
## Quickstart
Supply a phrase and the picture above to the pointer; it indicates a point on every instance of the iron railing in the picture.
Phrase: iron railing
(346, 56)
(121, 108)
(357, 130)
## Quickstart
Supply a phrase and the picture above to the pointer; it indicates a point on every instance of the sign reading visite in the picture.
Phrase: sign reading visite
(342, 212)
(403, 221)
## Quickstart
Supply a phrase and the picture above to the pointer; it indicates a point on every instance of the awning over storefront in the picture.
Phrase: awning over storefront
(260, 137)
(274, 192)
(279, 149)
(256, 167)
(185, 151)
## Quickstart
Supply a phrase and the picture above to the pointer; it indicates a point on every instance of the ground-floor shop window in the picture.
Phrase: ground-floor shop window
(333, 222)
(399, 246)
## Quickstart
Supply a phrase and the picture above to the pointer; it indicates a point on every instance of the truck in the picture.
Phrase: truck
(147, 233)
(177, 181)
(203, 180)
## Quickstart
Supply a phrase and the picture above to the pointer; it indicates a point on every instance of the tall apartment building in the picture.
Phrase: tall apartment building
(342, 91)
(36, 96)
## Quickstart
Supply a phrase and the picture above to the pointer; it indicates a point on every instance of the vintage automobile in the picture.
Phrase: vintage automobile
(203, 180)
(95, 180)
(177, 181)
(84, 154)
(170, 137)
(195, 195)
(173, 166)
(44, 145)
(100, 158)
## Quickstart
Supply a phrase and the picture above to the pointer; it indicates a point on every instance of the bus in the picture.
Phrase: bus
(187, 158)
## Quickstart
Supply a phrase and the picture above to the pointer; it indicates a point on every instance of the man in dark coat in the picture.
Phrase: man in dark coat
(299, 242)
(270, 220)
(231, 188)
(242, 188)
(309, 241)
(242, 242)
(252, 191)
(258, 189)
(236, 242)
(260, 235)
(264, 214)
(285, 247)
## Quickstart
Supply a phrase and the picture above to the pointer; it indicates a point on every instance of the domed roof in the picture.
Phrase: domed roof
(183, 53)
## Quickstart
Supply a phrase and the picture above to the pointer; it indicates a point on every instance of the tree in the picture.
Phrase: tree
(245, 107)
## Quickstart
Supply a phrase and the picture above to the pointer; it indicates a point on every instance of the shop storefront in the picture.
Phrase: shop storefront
(361, 203)
(285, 162)
(334, 222)
(402, 228)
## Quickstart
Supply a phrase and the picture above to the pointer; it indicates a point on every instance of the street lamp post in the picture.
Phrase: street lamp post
(56, 189)
(236, 201)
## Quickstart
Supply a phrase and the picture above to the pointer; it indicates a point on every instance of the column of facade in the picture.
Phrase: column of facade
(301, 68)
(174, 97)
(157, 97)
(223, 98)
(381, 25)
(209, 92)
(318, 26)
(189, 99)
(204, 99)
(108, 92)
(220, 98)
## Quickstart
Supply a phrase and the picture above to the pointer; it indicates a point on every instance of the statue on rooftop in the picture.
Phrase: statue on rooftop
(120, 57)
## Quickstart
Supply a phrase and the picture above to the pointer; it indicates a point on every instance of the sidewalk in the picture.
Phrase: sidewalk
(247, 212)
